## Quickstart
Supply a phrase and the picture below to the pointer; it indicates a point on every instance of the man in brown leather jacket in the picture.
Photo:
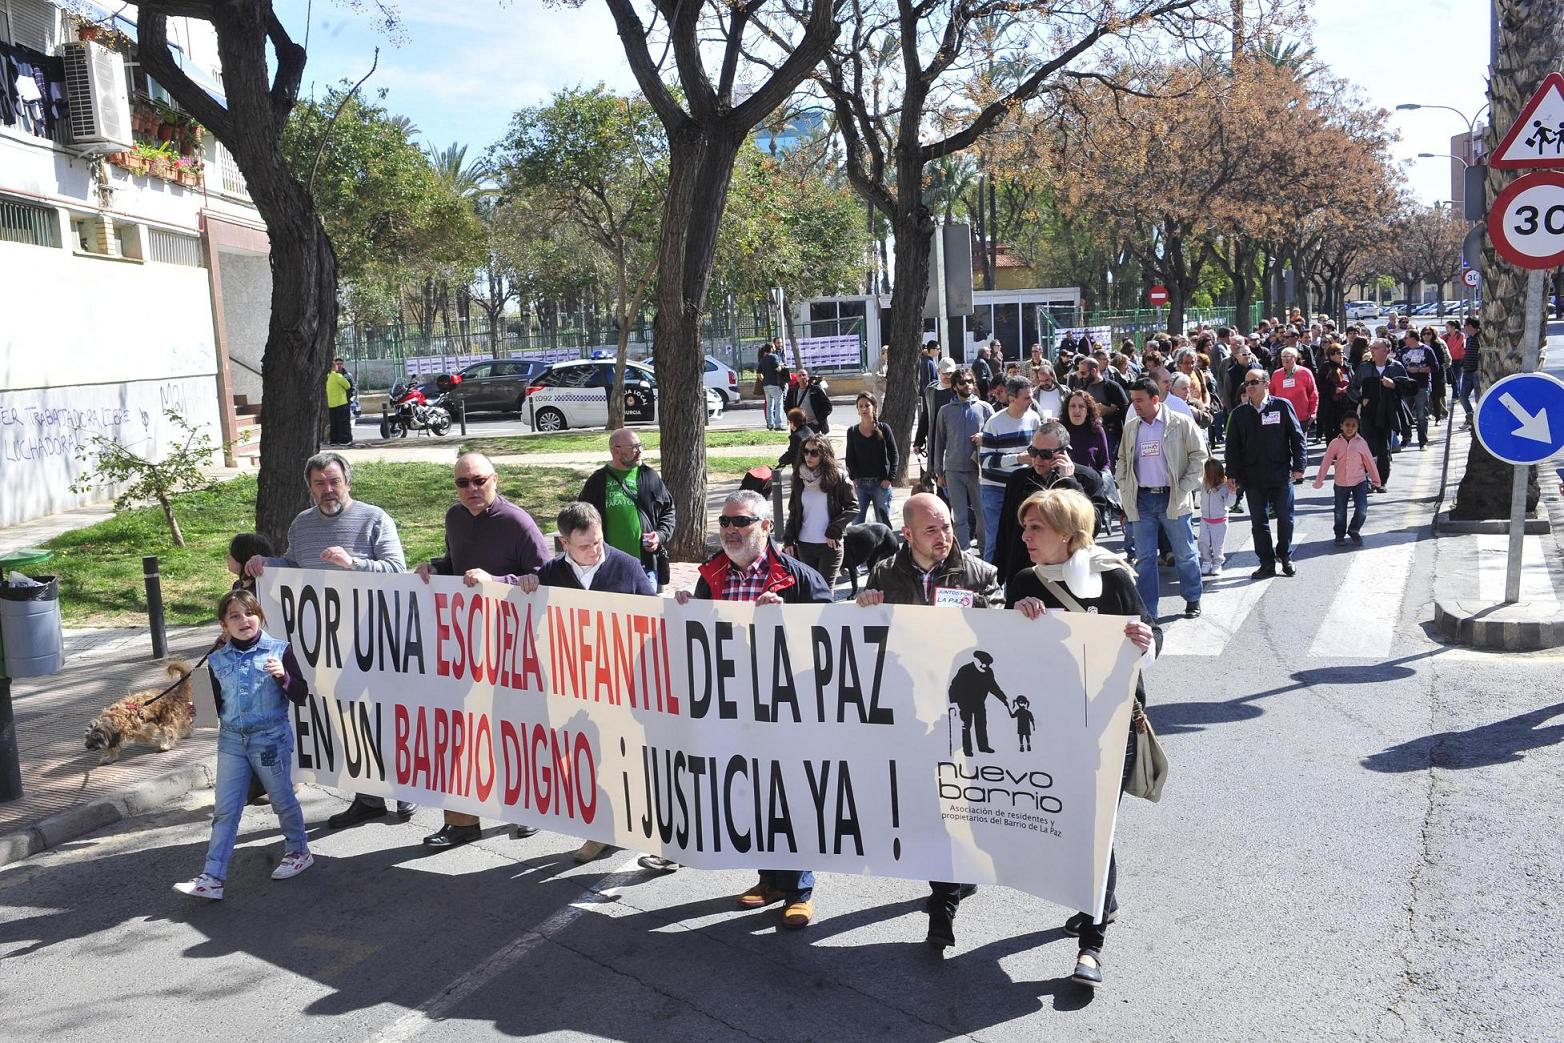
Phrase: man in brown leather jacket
(930, 569)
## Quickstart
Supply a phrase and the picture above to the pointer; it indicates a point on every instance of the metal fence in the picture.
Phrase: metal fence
(28, 223)
(379, 356)
(1110, 328)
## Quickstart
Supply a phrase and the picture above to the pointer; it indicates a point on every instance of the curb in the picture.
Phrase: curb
(1534, 526)
(71, 823)
(1521, 627)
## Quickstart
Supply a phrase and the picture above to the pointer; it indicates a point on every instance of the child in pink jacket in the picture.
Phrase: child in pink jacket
(1355, 471)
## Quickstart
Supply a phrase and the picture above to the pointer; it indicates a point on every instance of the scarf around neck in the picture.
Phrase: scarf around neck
(1082, 571)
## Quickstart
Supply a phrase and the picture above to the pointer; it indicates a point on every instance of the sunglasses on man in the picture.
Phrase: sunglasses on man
(1043, 454)
(736, 521)
(477, 481)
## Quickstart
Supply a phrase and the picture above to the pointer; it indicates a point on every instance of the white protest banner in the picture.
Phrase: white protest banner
(724, 734)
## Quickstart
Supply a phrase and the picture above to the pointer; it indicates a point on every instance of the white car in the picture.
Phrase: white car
(721, 378)
(575, 394)
(1357, 311)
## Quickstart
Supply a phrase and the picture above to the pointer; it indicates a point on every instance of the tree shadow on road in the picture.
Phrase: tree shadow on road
(391, 927)
(1184, 717)
(1501, 742)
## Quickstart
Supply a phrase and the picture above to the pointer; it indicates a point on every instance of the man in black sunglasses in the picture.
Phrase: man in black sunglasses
(1051, 468)
(750, 567)
(488, 539)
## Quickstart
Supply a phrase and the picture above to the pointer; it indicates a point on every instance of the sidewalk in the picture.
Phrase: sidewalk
(1471, 565)
(65, 792)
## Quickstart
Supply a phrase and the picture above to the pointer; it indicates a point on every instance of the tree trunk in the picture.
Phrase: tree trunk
(616, 397)
(700, 166)
(1523, 57)
(173, 522)
(912, 234)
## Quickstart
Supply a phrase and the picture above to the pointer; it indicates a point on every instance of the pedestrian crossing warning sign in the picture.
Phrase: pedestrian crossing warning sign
(1536, 138)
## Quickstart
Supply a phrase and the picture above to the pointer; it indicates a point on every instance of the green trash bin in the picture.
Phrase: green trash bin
(30, 628)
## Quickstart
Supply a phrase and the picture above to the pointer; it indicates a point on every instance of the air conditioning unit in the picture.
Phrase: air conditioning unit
(99, 102)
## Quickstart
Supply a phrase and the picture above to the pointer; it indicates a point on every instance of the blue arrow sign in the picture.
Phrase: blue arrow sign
(1520, 420)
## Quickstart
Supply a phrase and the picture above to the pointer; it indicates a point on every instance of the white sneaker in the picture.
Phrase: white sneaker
(203, 886)
(293, 863)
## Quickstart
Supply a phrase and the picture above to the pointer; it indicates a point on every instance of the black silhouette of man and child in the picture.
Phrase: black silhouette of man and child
(969, 691)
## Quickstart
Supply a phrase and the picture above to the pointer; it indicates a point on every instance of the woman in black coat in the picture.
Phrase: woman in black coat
(1068, 566)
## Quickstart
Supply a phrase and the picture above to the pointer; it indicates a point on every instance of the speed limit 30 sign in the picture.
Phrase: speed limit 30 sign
(1526, 221)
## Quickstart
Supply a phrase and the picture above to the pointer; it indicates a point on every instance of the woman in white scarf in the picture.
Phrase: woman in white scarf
(1070, 573)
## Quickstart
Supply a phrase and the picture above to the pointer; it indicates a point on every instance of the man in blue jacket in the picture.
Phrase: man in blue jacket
(1265, 455)
(589, 564)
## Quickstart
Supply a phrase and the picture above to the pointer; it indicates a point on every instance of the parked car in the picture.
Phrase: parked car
(1358, 311)
(498, 385)
(721, 378)
(575, 394)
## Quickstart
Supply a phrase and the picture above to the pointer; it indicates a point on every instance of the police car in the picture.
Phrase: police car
(575, 394)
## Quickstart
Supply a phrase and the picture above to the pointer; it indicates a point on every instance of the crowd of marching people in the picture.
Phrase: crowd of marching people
(1025, 465)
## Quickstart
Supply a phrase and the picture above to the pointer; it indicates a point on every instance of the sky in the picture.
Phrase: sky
(463, 67)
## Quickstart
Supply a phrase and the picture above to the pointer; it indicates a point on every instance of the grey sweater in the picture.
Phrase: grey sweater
(365, 531)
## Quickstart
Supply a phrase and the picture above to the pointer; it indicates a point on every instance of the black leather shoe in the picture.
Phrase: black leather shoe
(942, 929)
(356, 812)
(1080, 921)
(1088, 969)
(523, 832)
(1263, 572)
(404, 810)
(452, 836)
(1191, 610)
(1288, 569)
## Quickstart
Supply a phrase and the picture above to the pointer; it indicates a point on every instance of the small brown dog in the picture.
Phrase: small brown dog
(162, 724)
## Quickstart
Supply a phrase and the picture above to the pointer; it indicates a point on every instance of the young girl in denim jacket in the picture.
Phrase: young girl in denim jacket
(254, 677)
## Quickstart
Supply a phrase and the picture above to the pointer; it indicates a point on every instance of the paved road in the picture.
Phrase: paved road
(1360, 841)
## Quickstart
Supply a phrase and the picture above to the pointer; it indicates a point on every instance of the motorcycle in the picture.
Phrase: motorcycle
(411, 410)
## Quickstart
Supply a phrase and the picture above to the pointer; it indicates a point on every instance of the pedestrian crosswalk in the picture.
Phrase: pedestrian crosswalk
(1364, 610)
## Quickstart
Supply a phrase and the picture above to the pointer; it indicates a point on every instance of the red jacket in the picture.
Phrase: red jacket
(1298, 388)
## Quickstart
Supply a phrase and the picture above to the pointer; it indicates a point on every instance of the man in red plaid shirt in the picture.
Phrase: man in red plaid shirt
(752, 568)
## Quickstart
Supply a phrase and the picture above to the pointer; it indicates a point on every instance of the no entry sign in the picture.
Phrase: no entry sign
(1526, 221)
(1157, 295)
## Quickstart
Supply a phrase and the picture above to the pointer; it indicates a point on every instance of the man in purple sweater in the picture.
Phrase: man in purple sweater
(488, 539)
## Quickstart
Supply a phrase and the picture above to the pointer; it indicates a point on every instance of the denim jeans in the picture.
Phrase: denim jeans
(993, 499)
(1280, 499)
(870, 491)
(1359, 496)
(773, 408)
(269, 754)
(1420, 415)
(1465, 384)
(797, 885)
(1152, 511)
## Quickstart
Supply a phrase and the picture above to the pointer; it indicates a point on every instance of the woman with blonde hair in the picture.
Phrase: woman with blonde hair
(1071, 573)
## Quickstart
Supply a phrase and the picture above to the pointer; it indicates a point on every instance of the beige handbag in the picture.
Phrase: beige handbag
(1151, 764)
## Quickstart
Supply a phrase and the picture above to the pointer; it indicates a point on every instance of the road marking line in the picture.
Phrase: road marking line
(442, 1005)
(1366, 609)
(1493, 553)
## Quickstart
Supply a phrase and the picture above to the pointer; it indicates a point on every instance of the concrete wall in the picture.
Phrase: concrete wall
(247, 302)
(94, 346)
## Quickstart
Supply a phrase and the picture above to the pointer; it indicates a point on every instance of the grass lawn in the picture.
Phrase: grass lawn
(597, 442)
(100, 567)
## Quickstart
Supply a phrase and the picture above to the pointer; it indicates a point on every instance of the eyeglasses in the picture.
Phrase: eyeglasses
(1254, 383)
(634, 447)
(811, 452)
(963, 383)
(1042, 454)
(736, 521)
(476, 481)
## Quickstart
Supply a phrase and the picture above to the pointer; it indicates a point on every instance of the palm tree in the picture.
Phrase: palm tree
(406, 125)
(469, 182)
